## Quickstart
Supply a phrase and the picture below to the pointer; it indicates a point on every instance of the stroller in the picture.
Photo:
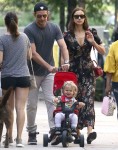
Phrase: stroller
(66, 136)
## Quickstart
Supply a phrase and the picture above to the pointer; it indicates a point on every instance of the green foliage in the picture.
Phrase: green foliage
(25, 18)
(95, 9)
(1, 20)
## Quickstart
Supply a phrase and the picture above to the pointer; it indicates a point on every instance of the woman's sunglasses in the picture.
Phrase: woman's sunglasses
(79, 16)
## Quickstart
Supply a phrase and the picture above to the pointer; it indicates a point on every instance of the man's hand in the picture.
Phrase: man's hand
(52, 69)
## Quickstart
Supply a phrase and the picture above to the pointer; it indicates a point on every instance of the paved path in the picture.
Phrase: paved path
(106, 128)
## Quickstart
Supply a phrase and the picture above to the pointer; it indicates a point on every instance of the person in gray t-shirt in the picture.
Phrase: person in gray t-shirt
(14, 50)
(42, 34)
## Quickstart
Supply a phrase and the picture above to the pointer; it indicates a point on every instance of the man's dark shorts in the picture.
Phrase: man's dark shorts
(21, 82)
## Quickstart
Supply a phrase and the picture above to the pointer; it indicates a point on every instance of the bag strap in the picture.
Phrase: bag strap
(32, 66)
(95, 56)
(0, 66)
(94, 52)
(95, 62)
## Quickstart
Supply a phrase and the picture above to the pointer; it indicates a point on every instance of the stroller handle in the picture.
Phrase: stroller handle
(59, 69)
(69, 110)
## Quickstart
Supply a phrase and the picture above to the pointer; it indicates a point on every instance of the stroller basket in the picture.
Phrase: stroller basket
(60, 78)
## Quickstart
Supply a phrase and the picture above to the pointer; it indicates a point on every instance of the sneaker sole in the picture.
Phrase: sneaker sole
(19, 145)
(32, 143)
(11, 144)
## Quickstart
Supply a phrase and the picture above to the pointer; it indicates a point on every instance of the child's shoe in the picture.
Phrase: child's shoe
(57, 130)
(74, 131)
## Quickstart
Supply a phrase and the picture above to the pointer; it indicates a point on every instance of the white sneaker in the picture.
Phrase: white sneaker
(19, 143)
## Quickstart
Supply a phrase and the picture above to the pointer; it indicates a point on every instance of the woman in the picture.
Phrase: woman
(80, 40)
(14, 50)
(111, 69)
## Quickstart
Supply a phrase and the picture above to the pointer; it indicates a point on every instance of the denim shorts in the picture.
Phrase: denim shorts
(22, 82)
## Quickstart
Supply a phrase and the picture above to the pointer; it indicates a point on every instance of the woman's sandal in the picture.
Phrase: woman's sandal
(92, 136)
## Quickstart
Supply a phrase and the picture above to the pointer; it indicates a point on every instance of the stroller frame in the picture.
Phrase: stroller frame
(66, 136)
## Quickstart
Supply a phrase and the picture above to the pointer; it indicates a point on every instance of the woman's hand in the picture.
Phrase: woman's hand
(65, 67)
(89, 36)
(81, 105)
(56, 100)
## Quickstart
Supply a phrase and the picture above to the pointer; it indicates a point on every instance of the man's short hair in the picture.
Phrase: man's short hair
(40, 6)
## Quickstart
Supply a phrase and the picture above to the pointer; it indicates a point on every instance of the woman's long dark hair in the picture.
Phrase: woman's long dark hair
(11, 22)
(71, 25)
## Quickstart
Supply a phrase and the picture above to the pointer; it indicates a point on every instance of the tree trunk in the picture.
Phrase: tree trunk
(116, 12)
(71, 5)
(81, 3)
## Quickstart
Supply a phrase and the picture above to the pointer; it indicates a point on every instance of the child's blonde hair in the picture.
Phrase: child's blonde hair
(73, 86)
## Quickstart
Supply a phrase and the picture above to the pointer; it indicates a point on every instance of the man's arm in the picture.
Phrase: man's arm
(65, 54)
(1, 56)
(37, 58)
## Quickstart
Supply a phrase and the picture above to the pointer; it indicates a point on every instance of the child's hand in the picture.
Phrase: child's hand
(81, 104)
(56, 100)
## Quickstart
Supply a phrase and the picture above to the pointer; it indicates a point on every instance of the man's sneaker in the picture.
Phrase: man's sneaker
(32, 138)
(19, 143)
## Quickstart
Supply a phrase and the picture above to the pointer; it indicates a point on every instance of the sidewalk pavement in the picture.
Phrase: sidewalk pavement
(106, 128)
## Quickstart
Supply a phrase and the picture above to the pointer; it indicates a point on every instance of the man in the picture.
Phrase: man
(42, 35)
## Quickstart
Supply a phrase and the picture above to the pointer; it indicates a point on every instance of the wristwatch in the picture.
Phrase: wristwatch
(66, 62)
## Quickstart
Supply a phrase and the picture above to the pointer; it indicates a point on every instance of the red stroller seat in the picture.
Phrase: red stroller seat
(60, 78)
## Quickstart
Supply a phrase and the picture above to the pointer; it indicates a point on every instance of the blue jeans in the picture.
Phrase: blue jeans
(115, 91)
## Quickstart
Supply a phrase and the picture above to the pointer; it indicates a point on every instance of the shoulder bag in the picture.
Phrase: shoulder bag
(108, 106)
(97, 69)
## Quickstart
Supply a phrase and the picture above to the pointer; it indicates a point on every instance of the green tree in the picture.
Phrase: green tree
(95, 8)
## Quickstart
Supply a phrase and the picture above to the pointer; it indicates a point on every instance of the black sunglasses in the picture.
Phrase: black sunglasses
(79, 16)
(40, 16)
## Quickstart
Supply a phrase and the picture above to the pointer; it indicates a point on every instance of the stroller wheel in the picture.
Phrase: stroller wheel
(45, 140)
(81, 138)
(64, 138)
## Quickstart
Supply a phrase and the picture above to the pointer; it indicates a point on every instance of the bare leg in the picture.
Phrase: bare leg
(78, 132)
(11, 105)
(21, 95)
(89, 129)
